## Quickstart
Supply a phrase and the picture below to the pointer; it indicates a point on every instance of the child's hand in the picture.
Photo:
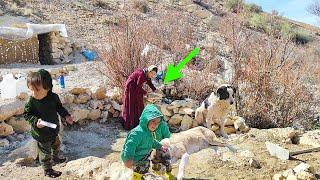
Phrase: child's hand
(38, 124)
(164, 148)
(69, 120)
(129, 164)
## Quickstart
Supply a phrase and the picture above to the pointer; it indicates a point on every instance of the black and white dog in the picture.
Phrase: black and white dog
(215, 108)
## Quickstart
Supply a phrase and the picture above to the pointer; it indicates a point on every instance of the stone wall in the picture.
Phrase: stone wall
(84, 105)
(179, 115)
(49, 48)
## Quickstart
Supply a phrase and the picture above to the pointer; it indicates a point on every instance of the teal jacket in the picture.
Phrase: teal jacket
(140, 140)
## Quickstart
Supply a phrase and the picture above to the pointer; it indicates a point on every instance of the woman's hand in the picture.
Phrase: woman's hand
(129, 164)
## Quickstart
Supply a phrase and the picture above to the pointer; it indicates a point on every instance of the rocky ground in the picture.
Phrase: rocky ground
(91, 149)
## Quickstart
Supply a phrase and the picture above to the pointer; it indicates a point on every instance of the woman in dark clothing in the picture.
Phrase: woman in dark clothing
(133, 101)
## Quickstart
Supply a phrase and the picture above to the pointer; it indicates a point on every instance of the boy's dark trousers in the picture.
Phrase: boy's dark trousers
(48, 150)
(161, 158)
(142, 167)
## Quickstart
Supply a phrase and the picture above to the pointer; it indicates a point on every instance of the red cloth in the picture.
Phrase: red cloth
(133, 100)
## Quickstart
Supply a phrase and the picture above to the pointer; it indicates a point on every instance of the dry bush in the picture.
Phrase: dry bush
(141, 6)
(270, 76)
(197, 84)
(165, 36)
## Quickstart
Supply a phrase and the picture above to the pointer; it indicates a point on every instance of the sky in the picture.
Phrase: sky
(292, 9)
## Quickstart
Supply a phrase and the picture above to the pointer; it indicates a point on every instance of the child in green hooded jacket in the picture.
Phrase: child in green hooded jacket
(142, 139)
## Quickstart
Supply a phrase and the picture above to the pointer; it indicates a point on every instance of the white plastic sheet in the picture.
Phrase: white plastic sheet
(16, 33)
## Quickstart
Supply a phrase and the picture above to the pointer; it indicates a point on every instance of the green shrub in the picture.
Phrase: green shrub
(287, 30)
(253, 8)
(259, 22)
(301, 37)
(234, 5)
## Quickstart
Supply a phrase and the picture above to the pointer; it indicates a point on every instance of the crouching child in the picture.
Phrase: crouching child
(143, 139)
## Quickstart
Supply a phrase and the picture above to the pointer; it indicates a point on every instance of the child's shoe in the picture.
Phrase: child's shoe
(136, 176)
(52, 173)
(170, 176)
(59, 160)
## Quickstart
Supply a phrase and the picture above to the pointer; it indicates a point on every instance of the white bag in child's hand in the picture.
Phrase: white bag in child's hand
(48, 124)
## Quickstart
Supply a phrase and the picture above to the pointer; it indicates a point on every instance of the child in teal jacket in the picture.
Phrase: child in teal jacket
(142, 139)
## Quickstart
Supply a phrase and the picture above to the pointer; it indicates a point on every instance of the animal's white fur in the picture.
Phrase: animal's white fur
(184, 161)
(191, 141)
(216, 112)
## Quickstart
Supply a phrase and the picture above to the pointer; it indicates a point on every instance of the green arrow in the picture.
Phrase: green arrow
(173, 73)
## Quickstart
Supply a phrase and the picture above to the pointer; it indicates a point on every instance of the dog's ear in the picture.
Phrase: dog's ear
(234, 90)
(220, 90)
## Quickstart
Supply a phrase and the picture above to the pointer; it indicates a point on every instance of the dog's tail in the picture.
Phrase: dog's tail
(184, 161)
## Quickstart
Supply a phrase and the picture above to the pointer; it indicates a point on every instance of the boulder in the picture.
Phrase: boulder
(175, 120)
(186, 123)
(230, 120)
(116, 114)
(306, 176)
(96, 104)
(99, 93)
(301, 167)
(311, 138)
(104, 116)
(274, 134)
(166, 118)
(5, 129)
(79, 113)
(230, 129)
(77, 90)
(27, 151)
(215, 127)
(82, 98)
(278, 177)
(165, 111)
(11, 108)
(182, 103)
(66, 98)
(186, 110)
(254, 163)
(291, 177)
(116, 106)
(19, 125)
(240, 124)
(86, 168)
(288, 172)
(94, 114)
(114, 94)
(176, 111)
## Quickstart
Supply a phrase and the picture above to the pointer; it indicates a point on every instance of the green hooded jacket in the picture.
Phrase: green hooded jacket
(140, 140)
